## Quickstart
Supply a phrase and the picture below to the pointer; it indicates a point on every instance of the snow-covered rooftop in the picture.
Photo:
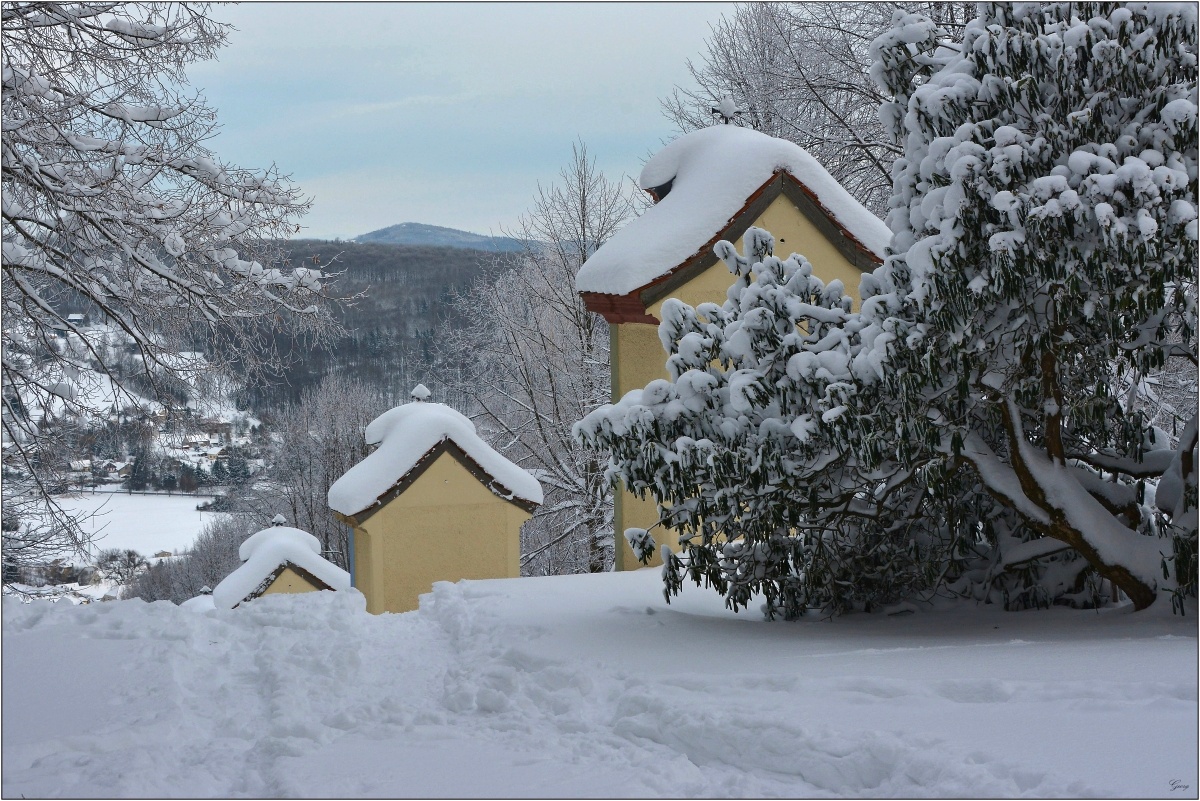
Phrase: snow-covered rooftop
(711, 173)
(265, 552)
(407, 433)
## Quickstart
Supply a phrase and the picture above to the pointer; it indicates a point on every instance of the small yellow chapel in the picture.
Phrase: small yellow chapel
(433, 502)
(711, 185)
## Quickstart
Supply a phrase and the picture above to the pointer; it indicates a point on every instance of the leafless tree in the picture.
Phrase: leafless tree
(121, 566)
(112, 203)
(535, 360)
(798, 71)
(319, 439)
(214, 556)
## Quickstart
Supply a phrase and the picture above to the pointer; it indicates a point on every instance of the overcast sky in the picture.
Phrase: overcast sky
(448, 114)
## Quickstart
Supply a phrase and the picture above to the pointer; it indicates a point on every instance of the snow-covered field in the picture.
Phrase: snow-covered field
(146, 523)
(591, 686)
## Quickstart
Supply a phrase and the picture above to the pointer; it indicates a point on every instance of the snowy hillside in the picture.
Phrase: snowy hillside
(591, 686)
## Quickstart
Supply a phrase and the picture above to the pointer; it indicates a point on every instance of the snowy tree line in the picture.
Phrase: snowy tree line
(401, 297)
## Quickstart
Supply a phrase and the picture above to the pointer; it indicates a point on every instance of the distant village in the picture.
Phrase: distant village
(142, 444)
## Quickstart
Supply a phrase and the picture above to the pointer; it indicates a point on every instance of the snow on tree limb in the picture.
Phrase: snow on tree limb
(113, 204)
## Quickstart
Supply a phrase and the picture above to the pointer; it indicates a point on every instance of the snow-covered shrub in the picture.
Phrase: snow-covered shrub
(752, 456)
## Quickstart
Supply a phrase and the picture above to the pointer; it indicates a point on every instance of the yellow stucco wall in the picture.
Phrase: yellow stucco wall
(291, 581)
(445, 526)
(638, 357)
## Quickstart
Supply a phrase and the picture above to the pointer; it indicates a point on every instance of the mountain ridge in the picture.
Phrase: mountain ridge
(411, 233)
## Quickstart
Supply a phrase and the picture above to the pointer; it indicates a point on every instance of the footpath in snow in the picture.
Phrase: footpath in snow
(590, 686)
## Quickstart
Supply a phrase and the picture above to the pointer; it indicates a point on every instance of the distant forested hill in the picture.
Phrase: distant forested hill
(405, 292)
(411, 233)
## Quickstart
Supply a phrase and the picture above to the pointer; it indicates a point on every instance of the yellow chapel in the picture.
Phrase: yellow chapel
(711, 185)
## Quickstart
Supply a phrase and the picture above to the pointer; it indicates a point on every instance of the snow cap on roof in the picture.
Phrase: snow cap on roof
(265, 552)
(711, 173)
(407, 433)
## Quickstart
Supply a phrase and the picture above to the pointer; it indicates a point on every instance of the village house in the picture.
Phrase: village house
(279, 559)
(711, 185)
(433, 503)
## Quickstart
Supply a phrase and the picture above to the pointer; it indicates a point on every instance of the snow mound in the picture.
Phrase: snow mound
(268, 550)
(711, 173)
(407, 433)
(294, 537)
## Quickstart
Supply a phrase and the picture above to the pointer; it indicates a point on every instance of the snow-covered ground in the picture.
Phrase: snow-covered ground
(146, 523)
(591, 686)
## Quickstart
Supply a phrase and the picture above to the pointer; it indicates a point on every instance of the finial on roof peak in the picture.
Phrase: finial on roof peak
(420, 393)
(278, 520)
(727, 110)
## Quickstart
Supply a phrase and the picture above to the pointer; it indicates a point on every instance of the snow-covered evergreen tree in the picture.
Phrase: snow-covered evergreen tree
(1045, 229)
(963, 430)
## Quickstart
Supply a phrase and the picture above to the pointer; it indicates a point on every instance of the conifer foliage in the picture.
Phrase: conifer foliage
(962, 431)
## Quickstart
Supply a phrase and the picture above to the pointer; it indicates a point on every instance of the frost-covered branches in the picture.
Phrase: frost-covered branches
(214, 556)
(535, 360)
(112, 204)
(799, 71)
(318, 440)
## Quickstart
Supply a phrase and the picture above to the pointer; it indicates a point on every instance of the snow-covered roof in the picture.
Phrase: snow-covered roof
(201, 603)
(711, 173)
(407, 433)
(268, 550)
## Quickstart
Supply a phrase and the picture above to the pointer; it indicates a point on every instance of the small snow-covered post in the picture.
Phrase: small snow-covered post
(420, 393)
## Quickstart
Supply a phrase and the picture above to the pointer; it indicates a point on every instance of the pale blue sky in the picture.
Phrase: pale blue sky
(444, 113)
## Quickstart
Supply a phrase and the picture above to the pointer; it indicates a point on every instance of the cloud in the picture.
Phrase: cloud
(411, 102)
(448, 114)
